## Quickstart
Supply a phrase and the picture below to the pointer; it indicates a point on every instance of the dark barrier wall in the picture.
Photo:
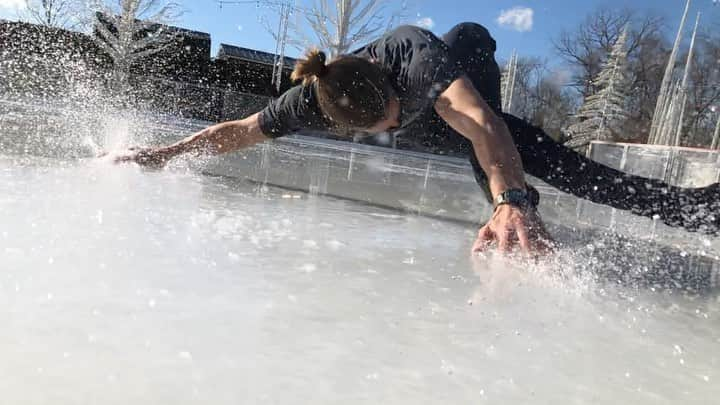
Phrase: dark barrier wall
(181, 78)
(41, 62)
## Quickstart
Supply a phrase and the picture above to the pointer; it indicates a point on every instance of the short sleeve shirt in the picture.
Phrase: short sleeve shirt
(414, 59)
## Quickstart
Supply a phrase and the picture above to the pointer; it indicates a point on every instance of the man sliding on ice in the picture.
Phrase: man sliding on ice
(450, 87)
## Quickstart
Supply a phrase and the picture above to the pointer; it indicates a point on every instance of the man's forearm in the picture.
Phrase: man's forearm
(462, 107)
(498, 157)
(220, 138)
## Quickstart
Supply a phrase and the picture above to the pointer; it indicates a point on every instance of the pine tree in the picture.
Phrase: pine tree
(602, 113)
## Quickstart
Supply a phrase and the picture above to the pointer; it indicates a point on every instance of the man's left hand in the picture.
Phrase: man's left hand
(511, 226)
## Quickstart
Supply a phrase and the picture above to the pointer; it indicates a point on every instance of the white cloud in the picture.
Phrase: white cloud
(12, 4)
(517, 18)
(425, 22)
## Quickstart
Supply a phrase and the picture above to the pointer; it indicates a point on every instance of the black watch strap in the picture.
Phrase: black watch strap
(518, 197)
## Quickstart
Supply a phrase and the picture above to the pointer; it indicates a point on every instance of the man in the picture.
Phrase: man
(451, 87)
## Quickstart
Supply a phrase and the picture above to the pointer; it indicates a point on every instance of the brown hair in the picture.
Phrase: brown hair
(352, 91)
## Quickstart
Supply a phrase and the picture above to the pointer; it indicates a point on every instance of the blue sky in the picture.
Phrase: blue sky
(527, 26)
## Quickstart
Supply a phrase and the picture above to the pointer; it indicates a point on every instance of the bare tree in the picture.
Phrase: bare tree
(529, 71)
(68, 14)
(554, 104)
(129, 30)
(586, 47)
(340, 24)
(337, 25)
(704, 91)
(646, 68)
(541, 96)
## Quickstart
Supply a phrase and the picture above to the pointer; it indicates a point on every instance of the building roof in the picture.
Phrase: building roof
(188, 32)
(252, 55)
(103, 17)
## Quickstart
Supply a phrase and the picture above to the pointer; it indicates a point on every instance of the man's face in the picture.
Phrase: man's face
(392, 118)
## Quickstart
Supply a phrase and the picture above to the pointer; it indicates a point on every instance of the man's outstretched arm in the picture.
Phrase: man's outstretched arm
(220, 138)
(695, 209)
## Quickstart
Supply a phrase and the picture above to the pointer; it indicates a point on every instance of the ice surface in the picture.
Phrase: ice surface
(125, 286)
(119, 285)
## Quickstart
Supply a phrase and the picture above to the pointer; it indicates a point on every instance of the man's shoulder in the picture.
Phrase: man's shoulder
(414, 34)
(401, 34)
(303, 93)
(411, 30)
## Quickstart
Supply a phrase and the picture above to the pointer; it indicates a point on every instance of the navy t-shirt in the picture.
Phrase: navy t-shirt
(416, 61)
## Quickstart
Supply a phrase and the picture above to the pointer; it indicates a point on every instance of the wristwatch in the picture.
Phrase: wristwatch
(518, 197)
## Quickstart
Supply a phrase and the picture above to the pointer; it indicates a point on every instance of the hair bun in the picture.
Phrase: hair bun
(311, 67)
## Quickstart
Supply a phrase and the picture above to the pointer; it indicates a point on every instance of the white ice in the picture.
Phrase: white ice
(123, 286)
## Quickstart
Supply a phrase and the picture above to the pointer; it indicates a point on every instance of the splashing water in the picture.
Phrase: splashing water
(171, 286)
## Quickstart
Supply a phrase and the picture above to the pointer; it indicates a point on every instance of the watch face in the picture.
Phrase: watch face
(516, 196)
(513, 196)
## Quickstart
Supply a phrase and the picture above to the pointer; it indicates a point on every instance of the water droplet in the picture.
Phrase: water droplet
(308, 267)
(677, 350)
(334, 244)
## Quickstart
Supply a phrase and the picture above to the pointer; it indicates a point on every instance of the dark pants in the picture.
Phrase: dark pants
(694, 209)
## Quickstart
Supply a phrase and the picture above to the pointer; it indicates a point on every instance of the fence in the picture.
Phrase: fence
(684, 167)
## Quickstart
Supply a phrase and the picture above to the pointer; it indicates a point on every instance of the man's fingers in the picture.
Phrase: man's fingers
(484, 239)
(505, 240)
(524, 238)
(123, 159)
(486, 234)
(510, 227)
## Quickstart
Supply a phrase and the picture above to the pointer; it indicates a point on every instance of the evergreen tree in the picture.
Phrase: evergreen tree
(603, 113)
